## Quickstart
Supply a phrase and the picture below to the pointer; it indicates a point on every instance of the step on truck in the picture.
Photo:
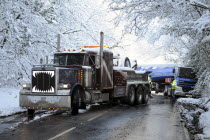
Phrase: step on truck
(79, 78)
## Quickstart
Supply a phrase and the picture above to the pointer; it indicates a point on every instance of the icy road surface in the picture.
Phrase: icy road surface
(159, 120)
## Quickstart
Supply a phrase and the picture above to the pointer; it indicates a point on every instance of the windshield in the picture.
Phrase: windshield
(186, 73)
(68, 59)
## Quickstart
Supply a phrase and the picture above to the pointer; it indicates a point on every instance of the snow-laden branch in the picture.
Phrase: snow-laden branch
(200, 5)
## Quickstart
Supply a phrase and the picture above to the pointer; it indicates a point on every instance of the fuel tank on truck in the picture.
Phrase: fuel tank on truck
(159, 72)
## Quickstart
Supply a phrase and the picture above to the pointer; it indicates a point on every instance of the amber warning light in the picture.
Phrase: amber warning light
(94, 46)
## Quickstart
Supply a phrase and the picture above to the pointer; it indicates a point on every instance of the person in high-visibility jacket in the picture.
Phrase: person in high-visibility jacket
(173, 88)
(174, 85)
(149, 79)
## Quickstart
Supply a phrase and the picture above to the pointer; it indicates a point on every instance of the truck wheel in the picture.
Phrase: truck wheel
(131, 95)
(139, 96)
(75, 102)
(146, 92)
(31, 112)
(82, 100)
(157, 90)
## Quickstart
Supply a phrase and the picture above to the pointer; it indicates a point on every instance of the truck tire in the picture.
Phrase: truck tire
(139, 96)
(131, 96)
(30, 112)
(82, 100)
(75, 101)
(157, 90)
(146, 92)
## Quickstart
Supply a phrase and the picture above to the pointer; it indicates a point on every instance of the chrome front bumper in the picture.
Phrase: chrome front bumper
(45, 102)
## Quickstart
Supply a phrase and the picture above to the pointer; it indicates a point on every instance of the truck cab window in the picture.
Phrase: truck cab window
(69, 59)
(91, 60)
(186, 73)
(60, 60)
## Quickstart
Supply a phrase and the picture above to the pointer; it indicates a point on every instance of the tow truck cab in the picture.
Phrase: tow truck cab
(52, 86)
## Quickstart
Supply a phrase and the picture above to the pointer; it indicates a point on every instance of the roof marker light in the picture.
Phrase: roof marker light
(94, 46)
(82, 50)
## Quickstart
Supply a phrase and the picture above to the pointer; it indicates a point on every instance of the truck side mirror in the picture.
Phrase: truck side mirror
(46, 59)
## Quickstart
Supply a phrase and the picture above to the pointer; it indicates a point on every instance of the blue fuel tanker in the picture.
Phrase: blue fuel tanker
(172, 80)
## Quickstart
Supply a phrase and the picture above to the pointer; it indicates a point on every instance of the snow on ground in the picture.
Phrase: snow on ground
(196, 113)
(9, 101)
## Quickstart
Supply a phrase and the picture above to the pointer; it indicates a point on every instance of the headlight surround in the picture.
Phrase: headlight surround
(26, 86)
(64, 86)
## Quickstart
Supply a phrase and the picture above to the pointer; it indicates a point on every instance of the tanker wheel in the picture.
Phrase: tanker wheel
(30, 112)
(165, 93)
(139, 96)
(131, 95)
(145, 95)
(75, 101)
(157, 90)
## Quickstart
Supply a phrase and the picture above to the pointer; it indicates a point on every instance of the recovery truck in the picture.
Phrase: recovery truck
(78, 78)
(163, 78)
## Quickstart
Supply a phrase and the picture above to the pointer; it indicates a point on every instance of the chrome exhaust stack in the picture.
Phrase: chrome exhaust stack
(101, 58)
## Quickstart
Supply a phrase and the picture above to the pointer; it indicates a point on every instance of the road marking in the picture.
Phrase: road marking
(62, 133)
(95, 117)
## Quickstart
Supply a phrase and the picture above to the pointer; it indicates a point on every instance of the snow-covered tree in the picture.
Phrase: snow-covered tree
(185, 22)
(28, 32)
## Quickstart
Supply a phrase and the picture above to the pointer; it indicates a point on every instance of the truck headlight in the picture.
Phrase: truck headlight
(26, 86)
(64, 86)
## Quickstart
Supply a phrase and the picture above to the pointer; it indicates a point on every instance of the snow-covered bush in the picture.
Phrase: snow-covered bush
(195, 113)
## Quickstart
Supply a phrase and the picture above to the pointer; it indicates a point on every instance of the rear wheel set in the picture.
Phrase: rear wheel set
(138, 96)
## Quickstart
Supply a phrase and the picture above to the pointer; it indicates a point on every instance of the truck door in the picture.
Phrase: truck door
(91, 61)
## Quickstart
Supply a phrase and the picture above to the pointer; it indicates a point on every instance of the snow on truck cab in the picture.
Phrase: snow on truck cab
(78, 78)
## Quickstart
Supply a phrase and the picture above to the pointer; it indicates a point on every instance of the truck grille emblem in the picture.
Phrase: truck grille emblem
(43, 81)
